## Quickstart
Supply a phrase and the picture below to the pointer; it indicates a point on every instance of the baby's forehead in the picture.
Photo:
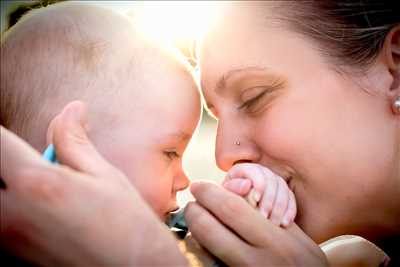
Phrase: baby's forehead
(67, 48)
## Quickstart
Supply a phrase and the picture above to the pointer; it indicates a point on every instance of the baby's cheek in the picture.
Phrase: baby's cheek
(157, 196)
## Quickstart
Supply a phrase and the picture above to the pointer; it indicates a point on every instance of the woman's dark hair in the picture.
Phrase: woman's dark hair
(351, 32)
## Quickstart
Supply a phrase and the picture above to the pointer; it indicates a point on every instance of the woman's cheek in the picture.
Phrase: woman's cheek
(281, 135)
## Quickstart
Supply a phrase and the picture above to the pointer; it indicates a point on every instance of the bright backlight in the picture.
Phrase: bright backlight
(175, 21)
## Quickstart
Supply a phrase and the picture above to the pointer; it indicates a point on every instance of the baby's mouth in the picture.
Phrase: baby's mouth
(176, 219)
(172, 210)
(171, 213)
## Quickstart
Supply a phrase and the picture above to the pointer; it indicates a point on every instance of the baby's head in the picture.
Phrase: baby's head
(142, 100)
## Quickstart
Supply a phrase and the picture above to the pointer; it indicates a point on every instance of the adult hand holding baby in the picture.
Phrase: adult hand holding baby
(225, 224)
(87, 214)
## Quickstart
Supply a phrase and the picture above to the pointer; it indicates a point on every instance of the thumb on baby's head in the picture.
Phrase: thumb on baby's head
(72, 145)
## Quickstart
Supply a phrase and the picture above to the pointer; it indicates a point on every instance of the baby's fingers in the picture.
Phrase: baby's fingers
(268, 198)
(239, 186)
(250, 171)
(281, 202)
(291, 211)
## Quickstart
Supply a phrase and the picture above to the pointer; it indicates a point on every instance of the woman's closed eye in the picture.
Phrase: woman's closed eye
(256, 98)
(253, 101)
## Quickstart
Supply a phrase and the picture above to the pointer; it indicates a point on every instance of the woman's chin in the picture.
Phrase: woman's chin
(315, 229)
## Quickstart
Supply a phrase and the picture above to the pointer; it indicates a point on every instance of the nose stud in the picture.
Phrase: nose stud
(237, 143)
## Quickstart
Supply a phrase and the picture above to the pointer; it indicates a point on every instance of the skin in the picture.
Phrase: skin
(135, 91)
(152, 159)
(244, 229)
(258, 236)
(47, 223)
(150, 155)
(263, 190)
(135, 120)
(318, 129)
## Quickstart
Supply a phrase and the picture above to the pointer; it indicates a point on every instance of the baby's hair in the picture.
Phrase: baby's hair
(45, 50)
(52, 51)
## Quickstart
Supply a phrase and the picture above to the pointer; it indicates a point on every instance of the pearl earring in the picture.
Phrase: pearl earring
(396, 105)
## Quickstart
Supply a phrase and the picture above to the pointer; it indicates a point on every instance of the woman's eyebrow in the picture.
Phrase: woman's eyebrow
(220, 86)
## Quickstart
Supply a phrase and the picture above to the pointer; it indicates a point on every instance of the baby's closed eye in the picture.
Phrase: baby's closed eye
(171, 154)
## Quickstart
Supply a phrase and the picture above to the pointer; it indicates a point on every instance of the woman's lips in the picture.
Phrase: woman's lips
(289, 183)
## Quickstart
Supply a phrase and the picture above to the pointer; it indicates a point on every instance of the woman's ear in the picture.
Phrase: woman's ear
(392, 57)
(392, 48)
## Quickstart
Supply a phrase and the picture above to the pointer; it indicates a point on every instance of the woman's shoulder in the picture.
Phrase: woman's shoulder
(351, 250)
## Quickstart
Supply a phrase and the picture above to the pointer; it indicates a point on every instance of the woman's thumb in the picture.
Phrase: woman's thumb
(72, 145)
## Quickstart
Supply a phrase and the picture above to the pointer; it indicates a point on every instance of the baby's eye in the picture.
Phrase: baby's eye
(172, 154)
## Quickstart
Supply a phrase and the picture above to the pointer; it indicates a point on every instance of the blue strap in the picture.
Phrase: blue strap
(50, 154)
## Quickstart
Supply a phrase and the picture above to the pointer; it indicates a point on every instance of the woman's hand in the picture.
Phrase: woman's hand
(236, 233)
(87, 214)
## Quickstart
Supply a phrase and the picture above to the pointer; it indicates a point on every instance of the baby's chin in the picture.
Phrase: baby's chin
(165, 216)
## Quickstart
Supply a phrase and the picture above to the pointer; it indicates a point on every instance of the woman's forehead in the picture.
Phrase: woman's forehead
(219, 60)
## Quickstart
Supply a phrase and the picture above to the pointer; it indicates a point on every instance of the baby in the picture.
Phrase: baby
(142, 99)
(272, 196)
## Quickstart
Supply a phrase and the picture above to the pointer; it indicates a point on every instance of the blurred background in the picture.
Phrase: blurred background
(179, 23)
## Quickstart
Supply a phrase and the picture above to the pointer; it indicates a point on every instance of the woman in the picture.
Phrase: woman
(311, 91)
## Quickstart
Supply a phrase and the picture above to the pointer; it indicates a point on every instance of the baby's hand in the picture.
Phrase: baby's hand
(263, 189)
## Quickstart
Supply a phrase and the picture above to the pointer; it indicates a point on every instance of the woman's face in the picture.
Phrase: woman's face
(335, 142)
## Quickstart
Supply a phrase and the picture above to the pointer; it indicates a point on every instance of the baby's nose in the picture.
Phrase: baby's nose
(181, 181)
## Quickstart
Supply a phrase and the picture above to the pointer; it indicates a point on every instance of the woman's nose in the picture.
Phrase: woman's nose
(233, 146)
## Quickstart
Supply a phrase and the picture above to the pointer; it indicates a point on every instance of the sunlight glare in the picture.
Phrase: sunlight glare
(175, 21)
